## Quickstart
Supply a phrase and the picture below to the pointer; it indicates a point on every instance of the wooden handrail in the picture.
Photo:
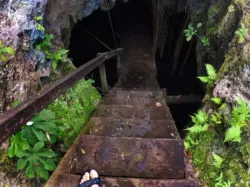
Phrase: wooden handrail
(12, 120)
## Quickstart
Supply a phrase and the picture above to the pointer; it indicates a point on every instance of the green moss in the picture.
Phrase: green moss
(74, 109)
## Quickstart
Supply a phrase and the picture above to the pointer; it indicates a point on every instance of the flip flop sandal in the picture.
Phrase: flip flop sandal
(91, 182)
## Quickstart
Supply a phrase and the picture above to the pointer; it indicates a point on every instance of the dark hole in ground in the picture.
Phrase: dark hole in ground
(84, 46)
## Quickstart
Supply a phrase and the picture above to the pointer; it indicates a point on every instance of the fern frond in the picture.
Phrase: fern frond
(197, 128)
(217, 160)
(211, 71)
(233, 134)
(217, 100)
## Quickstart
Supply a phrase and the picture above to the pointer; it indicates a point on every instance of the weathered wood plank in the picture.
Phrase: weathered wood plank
(183, 99)
(131, 157)
(134, 100)
(133, 112)
(69, 180)
(12, 120)
(133, 128)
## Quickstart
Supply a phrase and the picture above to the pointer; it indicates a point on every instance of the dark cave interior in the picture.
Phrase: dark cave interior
(178, 74)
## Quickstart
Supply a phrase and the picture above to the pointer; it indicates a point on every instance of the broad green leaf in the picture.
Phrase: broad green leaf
(21, 154)
(204, 79)
(233, 134)
(38, 146)
(48, 164)
(47, 154)
(39, 134)
(42, 172)
(30, 172)
(21, 163)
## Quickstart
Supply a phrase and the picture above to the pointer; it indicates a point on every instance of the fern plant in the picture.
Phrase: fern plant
(221, 183)
(242, 33)
(5, 52)
(217, 160)
(200, 120)
(211, 75)
(37, 161)
(240, 118)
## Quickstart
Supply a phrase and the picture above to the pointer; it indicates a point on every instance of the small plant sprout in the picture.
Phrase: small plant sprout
(242, 33)
(190, 32)
(217, 160)
(211, 75)
(217, 100)
(5, 52)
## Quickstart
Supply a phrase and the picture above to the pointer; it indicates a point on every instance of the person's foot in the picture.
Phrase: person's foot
(88, 176)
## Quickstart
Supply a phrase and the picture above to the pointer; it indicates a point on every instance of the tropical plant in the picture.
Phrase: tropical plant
(242, 33)
(17, 144)
(240, 118)
(5, 52)
(190, 32)
(42, 128)
(53, 55)
(211, 75)
(37, 161)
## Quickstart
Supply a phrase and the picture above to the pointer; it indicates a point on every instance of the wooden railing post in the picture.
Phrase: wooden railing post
(118, 66)
(103, 77)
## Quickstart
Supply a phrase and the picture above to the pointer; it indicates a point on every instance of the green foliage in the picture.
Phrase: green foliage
(200, 120)
(5, 52)
(240, 118)
(211, 75)
(37, 161)
(221, 183)
(42, 129)
(34, 146)
(74, 109)
(15, 103)
(242, 33)
(17, 144)
(217, 100)
(190, 32)
(217, 160)
(53, 55)
(208, 135)
(57, 56)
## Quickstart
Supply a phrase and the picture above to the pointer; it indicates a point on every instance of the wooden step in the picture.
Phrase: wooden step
(133, 128)
(131, 157)
(157, 94)
(133, 101)
(69, 180)
(133, 112)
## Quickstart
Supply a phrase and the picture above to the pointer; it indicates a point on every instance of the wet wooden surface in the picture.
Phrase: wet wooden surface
(69, 180)
(131, 157)
(133, 128)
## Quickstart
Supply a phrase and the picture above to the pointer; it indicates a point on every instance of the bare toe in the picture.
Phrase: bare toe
(93, 174)
(85, 177)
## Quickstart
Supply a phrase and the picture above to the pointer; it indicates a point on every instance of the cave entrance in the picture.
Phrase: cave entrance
(175, 59)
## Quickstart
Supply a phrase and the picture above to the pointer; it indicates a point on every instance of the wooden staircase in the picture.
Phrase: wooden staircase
(132, 141)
